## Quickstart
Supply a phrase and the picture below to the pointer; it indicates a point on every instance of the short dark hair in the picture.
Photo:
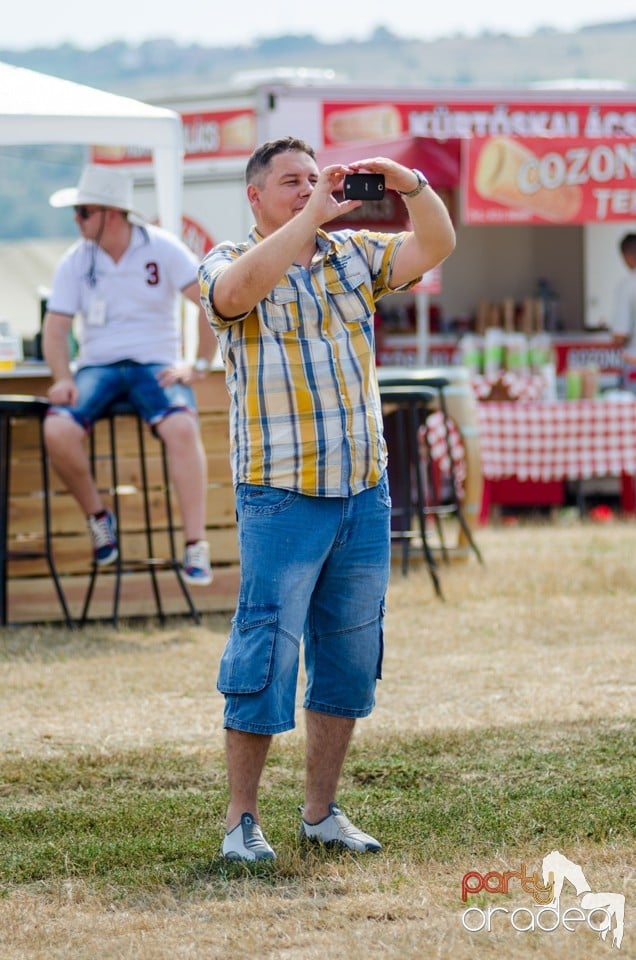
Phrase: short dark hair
(628, 245)
(261, 158)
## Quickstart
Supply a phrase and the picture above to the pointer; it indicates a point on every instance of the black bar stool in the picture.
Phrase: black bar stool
(15, 406)
(436, 507)
(151, 563)
(405, 408)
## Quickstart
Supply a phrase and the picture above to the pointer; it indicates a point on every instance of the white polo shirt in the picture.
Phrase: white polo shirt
(127, 310)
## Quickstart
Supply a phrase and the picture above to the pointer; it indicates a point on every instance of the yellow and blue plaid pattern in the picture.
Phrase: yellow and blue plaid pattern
(305, 409)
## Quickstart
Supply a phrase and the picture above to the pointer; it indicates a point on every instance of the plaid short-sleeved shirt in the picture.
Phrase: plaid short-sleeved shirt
(300, 367)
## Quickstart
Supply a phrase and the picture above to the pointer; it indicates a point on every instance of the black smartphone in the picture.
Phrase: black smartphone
(364, 186)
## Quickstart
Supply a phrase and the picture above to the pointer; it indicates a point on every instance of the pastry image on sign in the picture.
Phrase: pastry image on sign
(364, 123)
(238, 133)
(508, 173)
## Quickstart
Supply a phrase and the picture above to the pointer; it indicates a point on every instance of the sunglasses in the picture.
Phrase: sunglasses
(85, 213)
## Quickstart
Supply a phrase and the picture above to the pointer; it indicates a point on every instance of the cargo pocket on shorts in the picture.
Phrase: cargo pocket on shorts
(248, 659)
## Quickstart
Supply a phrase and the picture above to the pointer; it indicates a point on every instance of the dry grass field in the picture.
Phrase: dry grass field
(537, 644)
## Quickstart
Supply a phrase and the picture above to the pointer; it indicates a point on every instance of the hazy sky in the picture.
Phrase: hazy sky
(36, 23)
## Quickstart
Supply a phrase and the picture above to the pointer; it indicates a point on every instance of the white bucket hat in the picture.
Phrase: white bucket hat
(99, 185)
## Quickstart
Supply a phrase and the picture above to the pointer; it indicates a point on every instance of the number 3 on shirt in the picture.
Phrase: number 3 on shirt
(152, 273)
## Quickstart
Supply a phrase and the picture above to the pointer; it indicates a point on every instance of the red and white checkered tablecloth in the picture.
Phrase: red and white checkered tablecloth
(563, 440)
(436, 436)
(522, 387)
(438, 446)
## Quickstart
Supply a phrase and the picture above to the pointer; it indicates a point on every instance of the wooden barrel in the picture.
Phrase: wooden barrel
(461, 406)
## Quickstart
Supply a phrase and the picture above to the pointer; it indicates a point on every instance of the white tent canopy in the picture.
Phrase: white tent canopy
(36, 108)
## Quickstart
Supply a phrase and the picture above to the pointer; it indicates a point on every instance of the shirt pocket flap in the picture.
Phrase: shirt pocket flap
(346, 284)
(281, 295)
(279, 310)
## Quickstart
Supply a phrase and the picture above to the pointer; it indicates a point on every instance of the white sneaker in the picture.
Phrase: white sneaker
(336, 830)
(196, 564)
(246, 842)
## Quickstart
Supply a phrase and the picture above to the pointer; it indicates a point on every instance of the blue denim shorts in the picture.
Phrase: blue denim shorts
(101, 386)
(314, 569)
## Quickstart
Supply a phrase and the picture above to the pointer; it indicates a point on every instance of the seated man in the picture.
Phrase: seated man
(124, 280)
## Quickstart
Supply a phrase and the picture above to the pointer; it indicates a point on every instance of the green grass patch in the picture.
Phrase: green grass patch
(140, 821)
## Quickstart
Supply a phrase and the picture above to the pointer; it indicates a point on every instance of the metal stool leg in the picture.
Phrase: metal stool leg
(115, 495)
(433, 490)
(456, 501)
(23, 407)
(405, 468)
(176, 566)
(420, 500)
(148, 520)
(93, 574)
(47, 531)
(115, 477)
(5, 455)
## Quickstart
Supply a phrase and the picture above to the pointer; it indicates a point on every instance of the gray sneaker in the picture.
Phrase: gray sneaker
(103, 531)
(336, 830)
(196, 564)
(246, 842)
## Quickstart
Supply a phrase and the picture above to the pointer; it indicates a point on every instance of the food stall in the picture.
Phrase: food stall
(539, 181)
(540, 184)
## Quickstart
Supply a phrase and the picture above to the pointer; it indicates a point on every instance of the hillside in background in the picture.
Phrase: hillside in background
(603, 52)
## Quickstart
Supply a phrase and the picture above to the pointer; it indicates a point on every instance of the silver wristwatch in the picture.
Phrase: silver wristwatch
(201, 365)
(421, 183)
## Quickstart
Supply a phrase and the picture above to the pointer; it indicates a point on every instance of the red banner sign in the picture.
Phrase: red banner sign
(578, 354)
(217, 133)
(346, 121)
(545, 180)
(220, 133)
(522, 162)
